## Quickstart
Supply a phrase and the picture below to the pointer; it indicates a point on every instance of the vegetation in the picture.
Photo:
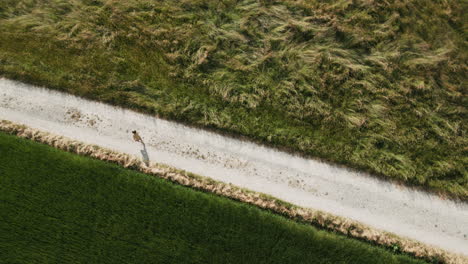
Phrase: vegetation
(60, 207)
(376, 85)
(319, 219)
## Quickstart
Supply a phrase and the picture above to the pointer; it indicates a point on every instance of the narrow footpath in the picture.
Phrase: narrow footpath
(304, 182)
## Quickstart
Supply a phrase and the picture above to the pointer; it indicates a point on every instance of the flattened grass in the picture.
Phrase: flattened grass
(374, 85)
(64, 208)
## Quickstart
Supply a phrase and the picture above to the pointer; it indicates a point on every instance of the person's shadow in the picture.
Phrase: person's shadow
(145, 155)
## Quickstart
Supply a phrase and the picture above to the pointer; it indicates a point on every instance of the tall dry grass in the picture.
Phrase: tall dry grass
(375, 85)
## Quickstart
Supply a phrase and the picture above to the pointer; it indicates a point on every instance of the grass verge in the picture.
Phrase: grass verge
(374, 85)
(60, 207)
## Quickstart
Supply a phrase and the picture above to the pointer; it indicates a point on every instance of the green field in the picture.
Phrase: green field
(57, 207)
(375, 85)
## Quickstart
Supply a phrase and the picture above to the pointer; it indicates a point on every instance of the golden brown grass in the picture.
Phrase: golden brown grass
(374, 85)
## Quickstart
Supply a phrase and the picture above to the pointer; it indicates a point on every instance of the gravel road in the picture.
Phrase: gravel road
(304, 182)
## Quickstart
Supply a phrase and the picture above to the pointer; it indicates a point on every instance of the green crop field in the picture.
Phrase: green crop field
(375, 85)
(57, 207)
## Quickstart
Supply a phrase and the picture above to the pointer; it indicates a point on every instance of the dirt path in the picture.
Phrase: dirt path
(304, 182)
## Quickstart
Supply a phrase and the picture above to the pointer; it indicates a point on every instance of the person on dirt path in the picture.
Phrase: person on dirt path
(143, 152)
(137, 137)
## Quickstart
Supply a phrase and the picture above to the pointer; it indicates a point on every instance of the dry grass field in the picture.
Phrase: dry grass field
(375, 85)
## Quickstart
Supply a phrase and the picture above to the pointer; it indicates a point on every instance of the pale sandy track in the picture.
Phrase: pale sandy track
(304, 182)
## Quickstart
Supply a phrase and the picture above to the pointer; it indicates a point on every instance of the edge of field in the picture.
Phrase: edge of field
(313, 217)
